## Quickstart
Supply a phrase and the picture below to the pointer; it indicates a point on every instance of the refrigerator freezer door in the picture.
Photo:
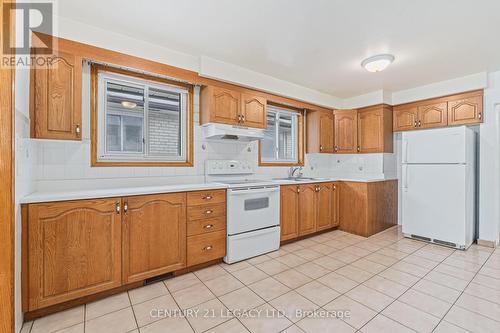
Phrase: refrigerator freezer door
(435, 203)
(443, 145)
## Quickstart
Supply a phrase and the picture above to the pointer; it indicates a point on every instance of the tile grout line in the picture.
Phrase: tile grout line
(133, 311)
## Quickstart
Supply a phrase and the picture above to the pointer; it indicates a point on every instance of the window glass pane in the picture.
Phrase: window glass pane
(268, 144)
(286, 141)
(164, 123)
(113, 131)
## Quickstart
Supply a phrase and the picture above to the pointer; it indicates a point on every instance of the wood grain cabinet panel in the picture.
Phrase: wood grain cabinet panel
(253, 111)
(405, 118)
(220, 105)
(324, 210)
(335, 204)
(465, 111)
(74, 250)
(346, 131)
(375, 129)
(289, 212)
(433, 115)
(154, 235)
(307, 209)
(320, 132)
(56, 98)
(206, 197)
(206, 247)
(206, 211)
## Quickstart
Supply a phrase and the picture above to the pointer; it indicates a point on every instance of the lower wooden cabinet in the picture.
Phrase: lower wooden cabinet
(308, 209)
(289, 212)
(154, 235)
(206, 247)
(74, 250)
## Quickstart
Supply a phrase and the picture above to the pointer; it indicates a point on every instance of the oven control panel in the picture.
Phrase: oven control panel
(228, 167)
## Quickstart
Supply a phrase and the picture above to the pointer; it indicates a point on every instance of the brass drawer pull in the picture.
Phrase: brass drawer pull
(208, 197)
(208, 212)
(118, 208)
(208, 226)
(208, 248)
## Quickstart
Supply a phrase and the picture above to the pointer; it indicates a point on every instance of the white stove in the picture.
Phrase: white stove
(253, 209)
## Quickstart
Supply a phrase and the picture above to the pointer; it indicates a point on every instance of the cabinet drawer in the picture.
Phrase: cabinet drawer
(198, 227)
(206, 247)
(206, 197)
(206, 211)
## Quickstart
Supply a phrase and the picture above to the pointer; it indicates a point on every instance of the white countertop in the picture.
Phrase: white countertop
(77, 194)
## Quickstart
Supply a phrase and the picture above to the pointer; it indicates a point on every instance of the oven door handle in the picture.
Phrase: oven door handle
(253, 191)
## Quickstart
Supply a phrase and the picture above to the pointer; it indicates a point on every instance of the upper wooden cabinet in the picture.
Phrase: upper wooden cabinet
(346, 131)
(375, 129)
(74, 250)
(225, 106)
(154, 235)
(56, 98)
(320, 130)
(460, 109)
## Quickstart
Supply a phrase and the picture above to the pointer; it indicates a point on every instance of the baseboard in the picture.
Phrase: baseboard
(487, 243)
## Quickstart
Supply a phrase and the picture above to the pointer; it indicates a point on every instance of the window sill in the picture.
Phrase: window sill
(140, 164)
(280, 164)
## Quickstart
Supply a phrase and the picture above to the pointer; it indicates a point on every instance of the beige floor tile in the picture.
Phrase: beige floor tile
(490, 272)
(312, 270)
(317, 293)
(336, 244)
(406, 248)
(382, 324)
(292, 247)
(107, 305)
(80, 328)
(329, 263)
(381, 259)
(446, 280)
(462, 264)
(58, 320)
(292, 278)
(26, 328)
(354, 273)
(291, 260)
(208, 315)
(455, 272)
(369, 297)
(338, 282)
(269, 288)
(369, 266)
(210, 273)
(419, 261)
(315, 325)
(359, 314)
(484, 292)
(308, 242)
(430, 255)
(292, 304)
(272, 267)
(322, 248)
(268, 320)
(410, 268)
(308, 254)
(399, 277)
(224, 284)
(357, 251)
(277, 253)
(471, 321)
(259, 259)
(236, 266)
(446, 294)
(181, 282)
(411, 317)
(293, 329)
(369, 245)
(146, 312)
(241, 300)
(392, 253)
(145, 293)
(175, 324)
(231, 326)
(250, 275)
(344, 256)
(479, 305)
(117, 322)
(191, 296)
(446, 327)
(487, 281)
(426, 303)
(386, 286)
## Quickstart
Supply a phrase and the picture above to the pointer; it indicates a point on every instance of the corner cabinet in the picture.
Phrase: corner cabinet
(320, 132)
(225, 106)
(56, 98)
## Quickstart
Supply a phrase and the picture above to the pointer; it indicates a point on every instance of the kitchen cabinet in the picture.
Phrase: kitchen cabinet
(324, 196)
(375, 129)
(335, 204)
(368, 208)
(56, 98)
(307, 209)
(225, 106)
(74, 250)
(460, 109)
(346, 131)
(289, 212)
(320, 132)
(154, 235)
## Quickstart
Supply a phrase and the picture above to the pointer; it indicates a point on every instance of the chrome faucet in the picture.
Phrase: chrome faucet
(292, 171)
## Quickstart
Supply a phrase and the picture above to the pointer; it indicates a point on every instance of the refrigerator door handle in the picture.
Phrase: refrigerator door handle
(405, 178)
(406, 151)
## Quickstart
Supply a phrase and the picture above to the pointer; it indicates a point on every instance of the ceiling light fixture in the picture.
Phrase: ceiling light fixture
(377, 63)
(128, 105)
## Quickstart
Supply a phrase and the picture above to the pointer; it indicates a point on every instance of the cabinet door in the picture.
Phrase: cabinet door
(324, 206)
(465, 111)
(433, 115)
(335, 204)
(307, 209)
(326, 132)
(289, 212)
(371, 131)
(405, 118)
(154, 235)
(225, 106)
(56, 98)
(74, 250)
(346, 131)
(253, 110)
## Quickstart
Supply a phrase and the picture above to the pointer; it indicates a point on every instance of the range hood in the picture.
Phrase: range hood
(213, 131)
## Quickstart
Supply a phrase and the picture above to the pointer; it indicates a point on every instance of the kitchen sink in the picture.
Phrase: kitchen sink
(298, 179)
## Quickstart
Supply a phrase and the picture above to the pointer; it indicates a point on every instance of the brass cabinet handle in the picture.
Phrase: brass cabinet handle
(125, 207)
(320, 147)
(317, 189)
(298, 189)
(208, 197)
(208, 226)
(336, 148)
(419, 123)
(239, 118)
(118, 208)
(243, 118)
(334, 187)
(209, 211)
(480, 115)
(208, 248)
(77, 129)
(359, 149)
(415, 124)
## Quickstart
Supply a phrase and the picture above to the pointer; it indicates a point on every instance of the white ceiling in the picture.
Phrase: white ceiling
(316, 43)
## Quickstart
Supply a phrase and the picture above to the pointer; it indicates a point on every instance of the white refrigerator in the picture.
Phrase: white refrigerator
(438, 186)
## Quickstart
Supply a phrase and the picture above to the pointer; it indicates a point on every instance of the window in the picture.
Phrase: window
(281, 144)
(141, 120)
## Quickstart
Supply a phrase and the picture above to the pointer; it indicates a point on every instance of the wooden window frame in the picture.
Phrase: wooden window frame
(95, 69)
(300, 139)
